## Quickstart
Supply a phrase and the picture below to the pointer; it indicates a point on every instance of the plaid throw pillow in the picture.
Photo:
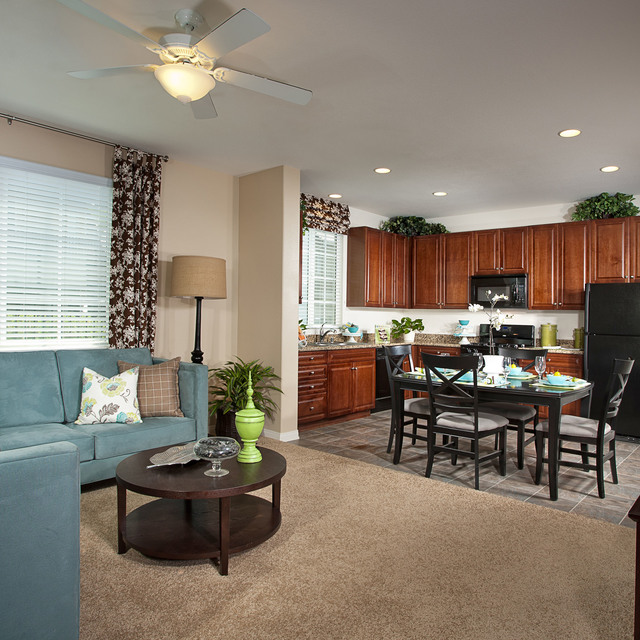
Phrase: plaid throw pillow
(158, 391)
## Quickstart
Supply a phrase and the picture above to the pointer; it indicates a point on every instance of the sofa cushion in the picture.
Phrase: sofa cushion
(103, 361)
(30, 390)
(158, 393)
(36, 434)
(112, 399)
(117, 439)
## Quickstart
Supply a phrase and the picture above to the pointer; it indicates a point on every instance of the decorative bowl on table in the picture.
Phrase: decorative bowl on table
(515, 371)
(216, 449)
(559, 380)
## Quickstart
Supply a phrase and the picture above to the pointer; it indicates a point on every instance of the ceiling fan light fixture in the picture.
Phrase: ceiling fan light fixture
(185, 82)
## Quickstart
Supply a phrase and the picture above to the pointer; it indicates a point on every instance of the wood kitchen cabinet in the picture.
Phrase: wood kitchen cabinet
(615, 249)
(351, 381)
(559, 265)
(568, 364)
(377, 269)
(312, 386)
(440, 271)
(500, 251)
(395, 270)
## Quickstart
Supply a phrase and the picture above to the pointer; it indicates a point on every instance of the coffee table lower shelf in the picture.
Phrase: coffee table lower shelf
(190, 529)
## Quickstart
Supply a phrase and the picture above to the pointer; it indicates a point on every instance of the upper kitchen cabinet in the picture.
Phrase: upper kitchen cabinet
(500, 251)
(441, 269)
(377, 269)
(395, 270)
(558, 265)
(615, 249)
(364, 267)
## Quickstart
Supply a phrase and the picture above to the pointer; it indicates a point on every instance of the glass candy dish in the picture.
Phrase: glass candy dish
(216, 449)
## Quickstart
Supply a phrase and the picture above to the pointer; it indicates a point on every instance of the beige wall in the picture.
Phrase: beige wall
(198, 217)
(269, 214)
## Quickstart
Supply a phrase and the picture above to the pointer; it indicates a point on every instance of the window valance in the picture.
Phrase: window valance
(324, 214)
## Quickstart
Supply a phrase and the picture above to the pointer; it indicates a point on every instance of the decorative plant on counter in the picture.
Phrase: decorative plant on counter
(412, 226)
(619, 205)
(405, 325)
(228, 390)
(496, 317)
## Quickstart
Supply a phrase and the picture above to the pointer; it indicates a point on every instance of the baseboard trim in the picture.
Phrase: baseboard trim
(287, 436)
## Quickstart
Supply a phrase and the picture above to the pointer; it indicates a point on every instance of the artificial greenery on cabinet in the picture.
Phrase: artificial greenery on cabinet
(412, 226)
(619, 205)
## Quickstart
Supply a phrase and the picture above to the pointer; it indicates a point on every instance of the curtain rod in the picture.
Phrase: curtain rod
(10, 119)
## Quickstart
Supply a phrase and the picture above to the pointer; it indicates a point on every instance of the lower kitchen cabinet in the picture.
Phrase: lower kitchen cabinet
(351, 381)
(335, 384)
(312, 386)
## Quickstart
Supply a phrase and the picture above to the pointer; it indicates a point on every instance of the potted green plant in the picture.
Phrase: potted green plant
(228, 392)
(412, 226)
(619, 205)
(405, 328)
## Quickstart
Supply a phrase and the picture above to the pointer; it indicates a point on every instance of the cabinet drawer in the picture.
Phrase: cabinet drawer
(311, 409)
(309, 358)
(352, 355)
(309, 374)
(312, 388)
(565, 363)
(439, 351)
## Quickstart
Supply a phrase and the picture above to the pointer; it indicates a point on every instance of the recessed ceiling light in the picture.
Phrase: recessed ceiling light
(439, 194)
(610, 169)
(335, 195)
(382, 170)
(570, 133)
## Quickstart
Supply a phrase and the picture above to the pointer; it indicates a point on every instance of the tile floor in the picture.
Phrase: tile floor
(366, 440)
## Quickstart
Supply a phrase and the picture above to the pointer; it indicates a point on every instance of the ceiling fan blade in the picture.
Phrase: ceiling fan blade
(204, 108)
(240, 28)
(272, 88)
(112, 71)
(107, 21)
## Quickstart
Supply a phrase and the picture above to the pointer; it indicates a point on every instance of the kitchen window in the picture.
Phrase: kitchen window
(55, 245)
(322, 254)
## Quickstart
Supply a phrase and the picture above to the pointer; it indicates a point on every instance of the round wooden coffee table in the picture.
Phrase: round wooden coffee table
(197, 516)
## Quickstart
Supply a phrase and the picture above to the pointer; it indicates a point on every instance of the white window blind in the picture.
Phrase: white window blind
(55, 237)
(321, 278)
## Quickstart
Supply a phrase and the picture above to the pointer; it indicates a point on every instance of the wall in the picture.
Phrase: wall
(445, 320)
(269, 218)
(197, 218)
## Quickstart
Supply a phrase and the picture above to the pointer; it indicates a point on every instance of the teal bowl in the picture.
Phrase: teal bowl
(559, 381)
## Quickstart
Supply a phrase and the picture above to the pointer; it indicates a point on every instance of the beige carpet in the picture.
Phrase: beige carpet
(363, 553)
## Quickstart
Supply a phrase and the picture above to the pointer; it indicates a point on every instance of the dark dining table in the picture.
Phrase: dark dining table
(517, 391)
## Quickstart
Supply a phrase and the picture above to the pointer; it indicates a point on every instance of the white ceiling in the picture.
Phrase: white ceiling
(463, 96)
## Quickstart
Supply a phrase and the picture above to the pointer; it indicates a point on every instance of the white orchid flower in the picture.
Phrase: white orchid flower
(498, 296)
(475, 307)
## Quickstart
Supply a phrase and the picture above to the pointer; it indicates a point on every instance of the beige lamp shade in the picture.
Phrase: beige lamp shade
(199, 276)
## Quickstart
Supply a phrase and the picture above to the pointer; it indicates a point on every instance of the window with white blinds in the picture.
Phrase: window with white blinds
(55, 240)
(321, 278)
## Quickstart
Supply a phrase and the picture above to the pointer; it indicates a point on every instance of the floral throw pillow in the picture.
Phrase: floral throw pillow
(109, 399)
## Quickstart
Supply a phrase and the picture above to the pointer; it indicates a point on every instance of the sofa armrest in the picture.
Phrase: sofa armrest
(40, 534)
(193, 380)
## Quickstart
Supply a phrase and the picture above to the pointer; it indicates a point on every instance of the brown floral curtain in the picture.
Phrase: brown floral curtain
(134, 248)
(325, 215)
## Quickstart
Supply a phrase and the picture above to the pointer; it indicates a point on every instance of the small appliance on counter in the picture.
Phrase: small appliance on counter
(549, 335)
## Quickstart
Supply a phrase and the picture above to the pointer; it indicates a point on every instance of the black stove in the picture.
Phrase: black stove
(509, 335)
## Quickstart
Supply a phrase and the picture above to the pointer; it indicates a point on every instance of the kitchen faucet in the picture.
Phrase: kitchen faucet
(325, 333)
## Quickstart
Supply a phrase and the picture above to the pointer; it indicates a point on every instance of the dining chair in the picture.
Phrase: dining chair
(522, 418)
(589, 432)
(455, 413)
(397, 357)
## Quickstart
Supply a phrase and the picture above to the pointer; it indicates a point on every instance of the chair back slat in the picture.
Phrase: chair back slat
(447, 395)
(395, 357)
(522, 354)
(617, 383)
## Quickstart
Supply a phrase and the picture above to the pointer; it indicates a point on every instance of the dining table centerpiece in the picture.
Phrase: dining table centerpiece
(496, 316)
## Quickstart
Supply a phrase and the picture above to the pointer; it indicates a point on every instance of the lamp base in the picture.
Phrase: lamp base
(197, 356)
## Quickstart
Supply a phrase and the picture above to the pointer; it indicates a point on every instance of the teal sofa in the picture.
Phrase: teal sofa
(40, 394)
(40, 538)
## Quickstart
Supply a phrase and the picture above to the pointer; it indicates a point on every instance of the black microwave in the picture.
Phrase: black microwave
(483, 288)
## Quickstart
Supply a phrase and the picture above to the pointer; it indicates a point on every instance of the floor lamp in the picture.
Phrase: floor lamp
(198, 277)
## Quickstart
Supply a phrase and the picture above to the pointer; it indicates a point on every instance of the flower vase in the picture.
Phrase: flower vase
(249, 425)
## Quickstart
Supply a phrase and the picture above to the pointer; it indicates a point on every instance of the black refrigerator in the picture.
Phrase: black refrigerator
(612, 330)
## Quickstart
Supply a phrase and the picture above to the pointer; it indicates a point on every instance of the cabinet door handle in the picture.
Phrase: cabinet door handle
(354, 368)
(311, 373)
(312, 386)
(311, 408)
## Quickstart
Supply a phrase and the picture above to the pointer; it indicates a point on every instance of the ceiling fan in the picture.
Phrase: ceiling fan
(188, 71)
